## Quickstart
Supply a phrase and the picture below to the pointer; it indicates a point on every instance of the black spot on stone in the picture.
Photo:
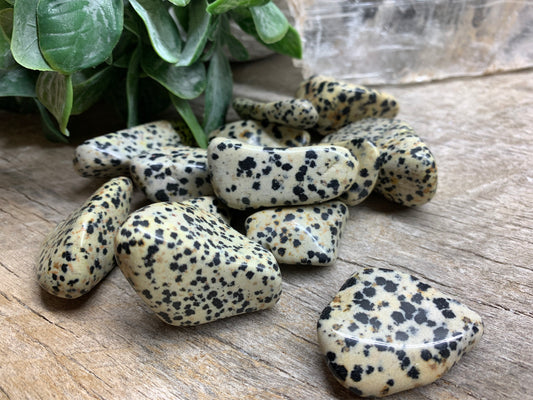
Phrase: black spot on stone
(338, 370)
(441, 303)
(425, 355)
(326, 313)
(413, 373)
(356, 374)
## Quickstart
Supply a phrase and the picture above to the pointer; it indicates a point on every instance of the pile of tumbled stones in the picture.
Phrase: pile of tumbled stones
(384, 331)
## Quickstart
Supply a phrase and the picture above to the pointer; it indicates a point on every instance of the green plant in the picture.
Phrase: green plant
(143, 54)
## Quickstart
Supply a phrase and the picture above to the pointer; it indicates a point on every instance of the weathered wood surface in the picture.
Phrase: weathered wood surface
(473, 241)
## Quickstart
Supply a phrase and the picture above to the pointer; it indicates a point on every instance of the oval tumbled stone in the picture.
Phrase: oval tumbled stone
(298, 113)
(109, 155)
(263, 134)
(190, 267)
(339, 103)
(386, 331)
(79, 252)
(247, 177)
(408, 171)
(300, 235)
(172, 173)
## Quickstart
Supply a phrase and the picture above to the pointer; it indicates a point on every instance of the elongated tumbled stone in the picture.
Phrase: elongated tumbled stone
(340, 103)
(79, 252)
(210, 204)
(368, 157)
(190, 267)
(300, 235)
(386, 331)
(247, 177)
(263, 134)
(408, 172)
(172, 173)
(109, 155)
(297, 113)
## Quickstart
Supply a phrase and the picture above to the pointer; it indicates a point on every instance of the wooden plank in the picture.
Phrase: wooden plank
(473, 241)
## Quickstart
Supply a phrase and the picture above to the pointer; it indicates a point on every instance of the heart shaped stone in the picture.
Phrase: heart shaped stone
(246, 176)
(190, 267)
(79, 252)
(109, 155)
(300, 235)
(172, 173)
(386, 331)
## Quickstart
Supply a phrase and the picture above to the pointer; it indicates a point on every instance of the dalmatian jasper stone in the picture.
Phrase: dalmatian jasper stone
(300, 235)
(408, 173)
(210, 204)
(339, 103)
(368, 156)
(387, 331)
(78, 253)
(172, 173)
(248, 177)
(297, 113)
(263, 134)
(109, 155)
(190, 268)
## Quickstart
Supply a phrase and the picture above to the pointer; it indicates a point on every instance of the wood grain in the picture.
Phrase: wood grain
(473, 241)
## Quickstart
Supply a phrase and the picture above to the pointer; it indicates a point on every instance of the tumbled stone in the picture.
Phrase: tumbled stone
(172, 173)
(368, 156)
(79, 252)
(190, 268)
(408, 173)
(109, 155)
(247, 177)
(386, 331)
(297, 113)
(210, 204)
(339, 103)
(300, 235)
(263, 134)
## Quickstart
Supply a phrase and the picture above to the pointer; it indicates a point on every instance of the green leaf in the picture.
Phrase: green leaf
(49, 127)
(180, 3)
(236, 48)
(197, 33)
(88, 87)
(78, 34)
(222, 6)
(132, 87)
(6, 59)
(6, 3)
(24, 40)
(289, 45)
(219, 90)
(270, 23)
(162, 29)
(17, 81)
(185, 82)
(54, 91)
(6, 21)
(184, 109)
